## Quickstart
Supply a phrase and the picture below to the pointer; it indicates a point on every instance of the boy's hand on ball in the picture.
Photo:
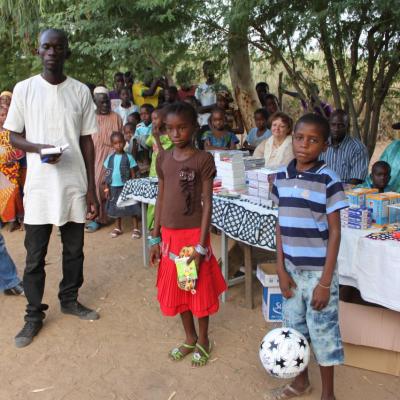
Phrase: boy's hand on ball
(286, 283)
(320, 298)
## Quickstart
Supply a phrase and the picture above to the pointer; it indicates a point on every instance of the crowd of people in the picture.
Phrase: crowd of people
(152, 128)
(135, 109)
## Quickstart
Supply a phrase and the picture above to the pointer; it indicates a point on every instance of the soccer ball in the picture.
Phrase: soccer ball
(284, 353)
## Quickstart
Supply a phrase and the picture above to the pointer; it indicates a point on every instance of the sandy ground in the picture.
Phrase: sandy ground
(123, 356)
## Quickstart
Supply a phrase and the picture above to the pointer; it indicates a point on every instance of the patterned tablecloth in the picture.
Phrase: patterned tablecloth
(239, 219)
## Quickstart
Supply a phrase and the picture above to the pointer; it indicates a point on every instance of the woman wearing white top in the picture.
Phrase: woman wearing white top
(277, 149)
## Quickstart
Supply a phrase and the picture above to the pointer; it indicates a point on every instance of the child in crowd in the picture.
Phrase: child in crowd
(134, 118)
(129, 131)
(309, 196)
(143, 129)
(119, 83)
(219, 138)
(233, 117)
(171, 94)
(271, 104)
(126, 107)
(120, 167)
(192, 101)
(260, 132)
(379, 178)
(182, 218)
(157, 141)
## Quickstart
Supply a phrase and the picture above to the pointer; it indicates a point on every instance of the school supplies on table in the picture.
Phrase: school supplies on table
(357, 197)
(379, 203)
(389, 232)
(356, 218)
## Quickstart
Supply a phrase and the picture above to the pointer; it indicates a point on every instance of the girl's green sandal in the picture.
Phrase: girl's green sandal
(200, 356)
(176, 354)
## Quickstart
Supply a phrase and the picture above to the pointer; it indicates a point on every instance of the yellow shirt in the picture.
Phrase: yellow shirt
(139, 100)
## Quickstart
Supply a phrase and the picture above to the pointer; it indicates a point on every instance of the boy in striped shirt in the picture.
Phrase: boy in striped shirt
(309, 196)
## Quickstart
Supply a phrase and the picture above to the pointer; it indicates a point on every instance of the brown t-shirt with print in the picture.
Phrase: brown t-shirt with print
(182, 207)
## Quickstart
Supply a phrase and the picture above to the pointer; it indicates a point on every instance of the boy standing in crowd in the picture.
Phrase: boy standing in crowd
(309, 196)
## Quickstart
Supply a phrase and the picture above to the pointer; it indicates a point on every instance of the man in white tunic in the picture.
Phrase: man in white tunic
(55, 110)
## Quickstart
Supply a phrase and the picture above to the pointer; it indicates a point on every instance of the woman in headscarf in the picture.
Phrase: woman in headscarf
(108, 122)
(11, 208)
(5, 99)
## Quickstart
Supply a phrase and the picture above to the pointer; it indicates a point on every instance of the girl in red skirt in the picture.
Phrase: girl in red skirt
(183, 218)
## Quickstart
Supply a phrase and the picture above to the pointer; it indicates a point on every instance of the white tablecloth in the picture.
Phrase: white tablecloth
(372, 266)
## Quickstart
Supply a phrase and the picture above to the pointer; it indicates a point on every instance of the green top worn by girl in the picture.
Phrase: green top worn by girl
(167, 144)
(151, 143)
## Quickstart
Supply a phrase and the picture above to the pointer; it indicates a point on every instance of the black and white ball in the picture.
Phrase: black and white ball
(284, 353)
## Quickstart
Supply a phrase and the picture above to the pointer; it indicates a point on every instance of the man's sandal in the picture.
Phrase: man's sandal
(200, 356)
(115, 232)
(286, 392)
(176, 354)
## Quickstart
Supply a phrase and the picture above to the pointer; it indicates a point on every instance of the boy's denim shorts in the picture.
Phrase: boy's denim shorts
(321, 328)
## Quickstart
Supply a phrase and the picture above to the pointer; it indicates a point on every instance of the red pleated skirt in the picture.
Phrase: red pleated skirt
(210, 283)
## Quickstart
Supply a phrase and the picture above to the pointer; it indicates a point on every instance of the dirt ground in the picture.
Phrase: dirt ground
(123, 356)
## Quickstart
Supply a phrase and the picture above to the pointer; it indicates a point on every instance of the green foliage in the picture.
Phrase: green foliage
(350, 48)
(105, 35)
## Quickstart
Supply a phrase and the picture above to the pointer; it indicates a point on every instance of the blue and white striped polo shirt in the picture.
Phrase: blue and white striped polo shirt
(305, 199)
(349, 159)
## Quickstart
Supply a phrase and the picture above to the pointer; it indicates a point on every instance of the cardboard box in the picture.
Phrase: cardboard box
(370, 326)
(394, 214)
(357, 197)
(272, 304)
(266, 274)
(263, 193)
(379, 205)
(253, 191)
(253, 183)
(371, 336)
(372, 359)
(264, 185)
(272, 296)
(252, 174)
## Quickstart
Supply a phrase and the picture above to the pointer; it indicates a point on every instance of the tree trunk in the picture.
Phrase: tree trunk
(239, 66)
(326, 48)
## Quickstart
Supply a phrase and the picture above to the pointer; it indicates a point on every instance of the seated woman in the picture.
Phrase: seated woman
(277, 150)
(379, 178)
(219, 137)
(260, 132)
